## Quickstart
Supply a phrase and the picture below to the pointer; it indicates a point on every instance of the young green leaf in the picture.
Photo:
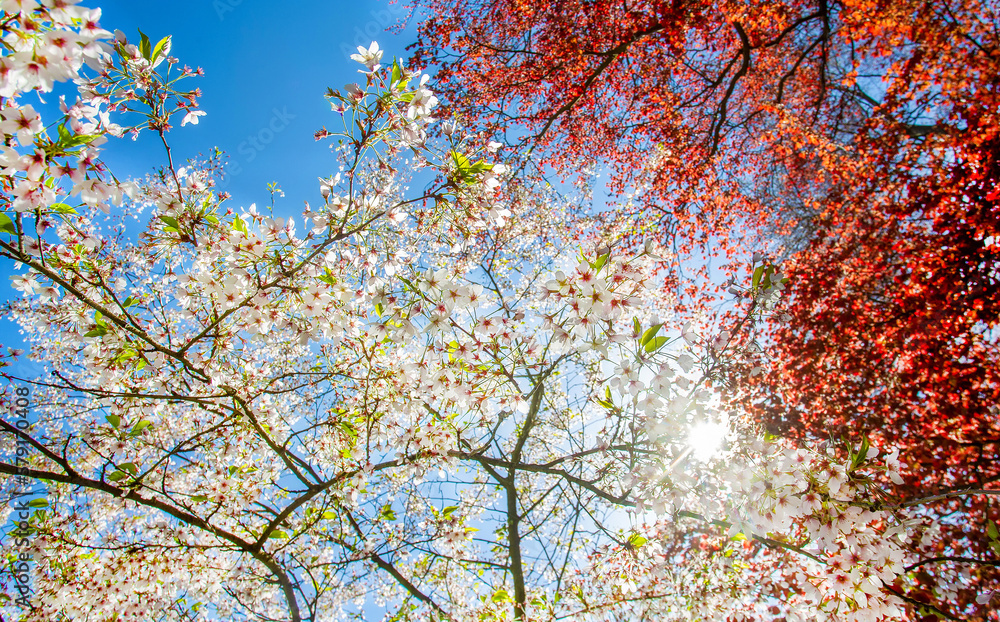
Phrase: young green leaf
(387, 513)
(138, 428)
(636, 540)
(649, 334)
(145, 47)
(7, 225)
(162, 47)
(100, 331)
(656, 343)
(170, 221)
(501, 596)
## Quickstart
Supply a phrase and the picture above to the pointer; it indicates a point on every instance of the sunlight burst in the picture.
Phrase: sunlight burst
(706, 439)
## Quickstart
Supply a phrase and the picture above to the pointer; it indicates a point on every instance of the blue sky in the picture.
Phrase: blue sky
(267, 67)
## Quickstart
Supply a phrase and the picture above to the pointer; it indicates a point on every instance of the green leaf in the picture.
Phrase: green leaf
(130, 302)
(277, 533)
(636, 540)
(348, 429)
(329, 515)
(69, 142)
(757, 274)
(170, 221)
(387, 513)
(448, 511)
(480, 167)
(501, 596)
(158, 49)
(126, 354)
(649, 334)
(114, 420)
(601, 260)
(62, 208)
(239, 225)
(38, 503)
(7, 225)
(100, 331)
(145, 47)
(138, 428)
(117, 476)
(859, 458)
(128, 466)
(991, 531)
(199, 498)
(637, 326)
(656, 343)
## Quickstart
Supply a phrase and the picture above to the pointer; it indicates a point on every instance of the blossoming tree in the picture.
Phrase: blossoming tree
(426, 398)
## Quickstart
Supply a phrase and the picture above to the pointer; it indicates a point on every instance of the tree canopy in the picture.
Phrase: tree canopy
(449, 390)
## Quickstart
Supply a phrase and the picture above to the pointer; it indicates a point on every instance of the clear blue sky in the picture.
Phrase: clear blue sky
(267, 66)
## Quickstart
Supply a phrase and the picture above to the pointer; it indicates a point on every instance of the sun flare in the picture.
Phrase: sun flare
(706, 439)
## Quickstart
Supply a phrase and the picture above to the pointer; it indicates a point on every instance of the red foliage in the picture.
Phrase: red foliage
(864, 135)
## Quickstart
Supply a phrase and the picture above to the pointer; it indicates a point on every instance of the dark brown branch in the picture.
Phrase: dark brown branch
(609, 57)
(744, 54)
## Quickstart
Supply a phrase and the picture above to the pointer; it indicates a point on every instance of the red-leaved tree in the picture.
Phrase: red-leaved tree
(855, 141)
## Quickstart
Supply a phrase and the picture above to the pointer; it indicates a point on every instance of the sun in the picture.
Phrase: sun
(705, 439)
